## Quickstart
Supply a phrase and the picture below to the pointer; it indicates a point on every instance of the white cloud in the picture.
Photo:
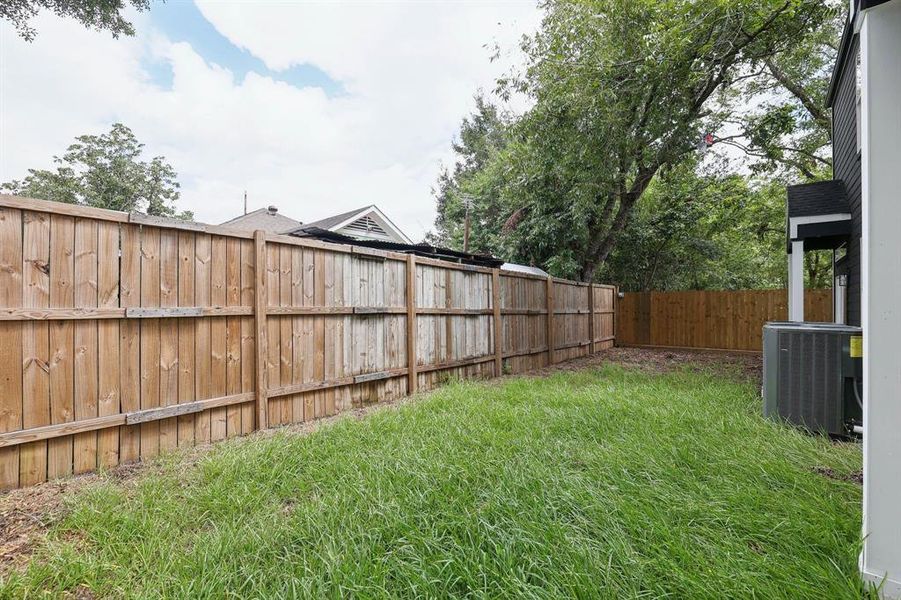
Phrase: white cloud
(409, 71)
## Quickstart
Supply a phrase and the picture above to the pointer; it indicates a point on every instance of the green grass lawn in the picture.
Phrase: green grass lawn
(602, 483)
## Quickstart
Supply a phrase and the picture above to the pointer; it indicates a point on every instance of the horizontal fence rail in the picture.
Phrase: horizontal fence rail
(727, 320)
(123, 335)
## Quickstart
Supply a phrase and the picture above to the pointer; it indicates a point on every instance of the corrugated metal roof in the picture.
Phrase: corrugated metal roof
(523, 269)
(482, 260)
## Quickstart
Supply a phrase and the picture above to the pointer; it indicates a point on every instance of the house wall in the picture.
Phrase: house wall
(846, 166)
(881, 127)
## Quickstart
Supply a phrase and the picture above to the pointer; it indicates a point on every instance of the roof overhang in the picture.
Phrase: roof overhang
(852, 27)
(841, 59)
(819, 232)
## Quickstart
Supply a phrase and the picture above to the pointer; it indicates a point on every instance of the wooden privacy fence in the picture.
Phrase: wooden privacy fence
(731, 320)
(123, 335)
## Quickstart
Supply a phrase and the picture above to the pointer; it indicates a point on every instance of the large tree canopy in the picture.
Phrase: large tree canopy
(711, 230)
(103, 15)
(621, 90)
(781, 120)
(106, 171)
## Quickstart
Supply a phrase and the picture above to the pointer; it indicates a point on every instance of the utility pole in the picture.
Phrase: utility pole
(245, 202)
(467, 202)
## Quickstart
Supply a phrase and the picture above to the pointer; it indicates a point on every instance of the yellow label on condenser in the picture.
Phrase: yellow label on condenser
(856, 346)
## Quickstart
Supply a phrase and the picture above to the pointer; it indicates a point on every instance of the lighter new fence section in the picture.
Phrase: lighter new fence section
(730, 320)
(123, 335)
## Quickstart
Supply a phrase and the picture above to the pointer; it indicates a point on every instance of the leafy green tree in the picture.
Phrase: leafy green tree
(708, 231)
(102, 15)
(622, 89)
(785, 127)
(106, 171)
(483, 137)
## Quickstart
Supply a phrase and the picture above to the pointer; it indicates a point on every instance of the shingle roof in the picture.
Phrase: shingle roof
(329, 222)
(819, 198)
(265, 220)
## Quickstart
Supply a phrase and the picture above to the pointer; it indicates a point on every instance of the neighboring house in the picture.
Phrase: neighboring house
(367, 223)
(268, 219)
(827, 214)
(368, 226)
(858, 215)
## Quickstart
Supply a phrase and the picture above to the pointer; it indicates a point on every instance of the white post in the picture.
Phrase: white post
(880, 44)
(839, 303)
(796, 282)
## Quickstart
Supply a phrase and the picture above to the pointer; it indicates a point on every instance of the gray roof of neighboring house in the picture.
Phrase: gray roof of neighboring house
(819, 198)
(264, 218)
(329, 222)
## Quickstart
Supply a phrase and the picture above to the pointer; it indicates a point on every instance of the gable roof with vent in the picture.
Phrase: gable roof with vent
(367, 223)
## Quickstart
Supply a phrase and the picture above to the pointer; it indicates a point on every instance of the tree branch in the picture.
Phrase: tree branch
(812, 107)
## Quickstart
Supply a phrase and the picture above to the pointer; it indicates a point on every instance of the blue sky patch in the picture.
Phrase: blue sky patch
(159, 70)
(183, 22)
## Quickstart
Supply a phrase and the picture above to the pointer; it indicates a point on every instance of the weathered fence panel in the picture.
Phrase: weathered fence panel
(730, 320)
(123, 336)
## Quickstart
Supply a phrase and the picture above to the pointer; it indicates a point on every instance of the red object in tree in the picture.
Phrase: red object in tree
(708, 139)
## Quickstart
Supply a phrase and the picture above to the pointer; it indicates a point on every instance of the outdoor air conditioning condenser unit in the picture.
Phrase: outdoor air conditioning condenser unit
(812, 375)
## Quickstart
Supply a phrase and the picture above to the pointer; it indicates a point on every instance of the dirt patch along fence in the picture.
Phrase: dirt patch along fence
(123, 335)
(729, 320)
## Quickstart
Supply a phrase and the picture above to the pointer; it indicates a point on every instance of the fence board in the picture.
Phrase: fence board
(202, 334)
(150, 339)
(129, 340)
(35, 343)
(121, 336)
(62, 342)
(187, 251)
(85, 359)
(218, 341)
(108, 402)
(10, 341)
(233, 334)
(169, 345)
(248, 350)
(729, 320)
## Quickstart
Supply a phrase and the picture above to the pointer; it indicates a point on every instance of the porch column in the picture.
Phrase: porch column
(796, 282)
(880, 46)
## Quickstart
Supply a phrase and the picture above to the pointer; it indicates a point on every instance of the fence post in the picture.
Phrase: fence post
(411, 324)
(496, 305)
(615, 309)
(259, 319)
(550, 320)
(591, 334)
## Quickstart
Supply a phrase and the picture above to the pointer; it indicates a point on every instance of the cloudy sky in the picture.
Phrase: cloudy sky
(315, 107)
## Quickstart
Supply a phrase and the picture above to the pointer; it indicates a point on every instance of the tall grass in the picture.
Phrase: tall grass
(607, 483)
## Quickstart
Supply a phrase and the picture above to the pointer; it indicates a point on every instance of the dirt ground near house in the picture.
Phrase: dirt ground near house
(747, 365)
(26, 514)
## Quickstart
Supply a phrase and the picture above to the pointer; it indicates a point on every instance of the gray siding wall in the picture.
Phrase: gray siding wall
(846, 166)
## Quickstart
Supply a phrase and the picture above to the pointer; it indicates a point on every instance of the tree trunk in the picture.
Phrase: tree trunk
(602, 244)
